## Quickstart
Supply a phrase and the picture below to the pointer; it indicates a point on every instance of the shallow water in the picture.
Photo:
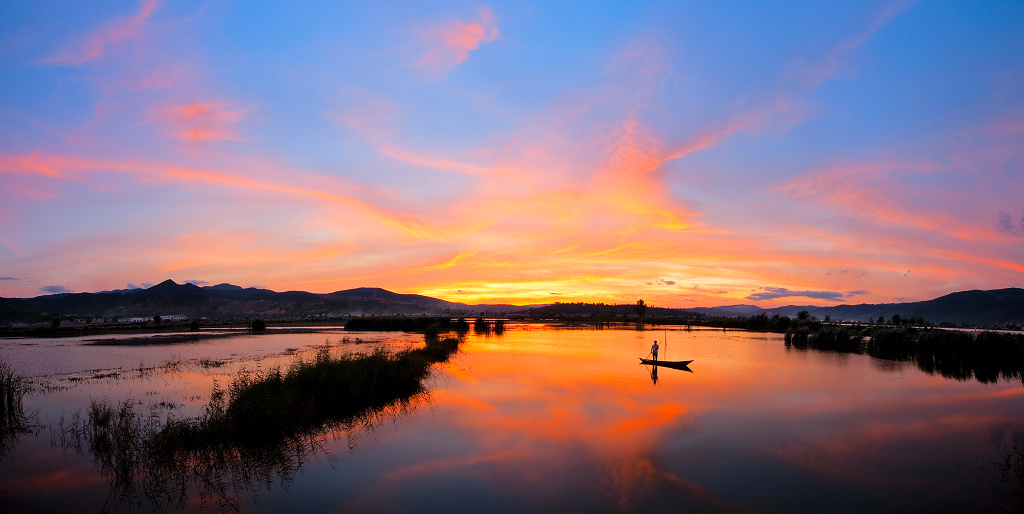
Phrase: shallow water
(548, 419)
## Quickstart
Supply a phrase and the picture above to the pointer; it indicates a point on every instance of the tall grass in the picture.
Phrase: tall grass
(262, 428)
(984, 356)
(401, 323)
(13, 421)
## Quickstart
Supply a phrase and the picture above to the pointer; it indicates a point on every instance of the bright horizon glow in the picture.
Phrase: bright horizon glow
(510, 152)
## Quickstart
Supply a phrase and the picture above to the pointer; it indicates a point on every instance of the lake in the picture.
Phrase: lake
(540, 418)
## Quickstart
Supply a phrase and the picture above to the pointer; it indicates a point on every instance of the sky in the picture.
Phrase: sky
(683, 153)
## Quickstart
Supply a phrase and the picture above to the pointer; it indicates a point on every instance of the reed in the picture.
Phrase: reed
(984, 356)
(401, 323)
(264, 425)
(13, 421)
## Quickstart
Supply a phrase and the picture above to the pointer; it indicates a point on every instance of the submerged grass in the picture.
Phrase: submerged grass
(13, 421)
(262, 428)
(984, 356)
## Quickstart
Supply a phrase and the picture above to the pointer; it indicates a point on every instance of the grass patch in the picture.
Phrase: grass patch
(260, 429)
(13, 421)
(431, 325)
(984, 356)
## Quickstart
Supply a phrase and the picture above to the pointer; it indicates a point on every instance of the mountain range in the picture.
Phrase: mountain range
(231, 301)
(999, 307)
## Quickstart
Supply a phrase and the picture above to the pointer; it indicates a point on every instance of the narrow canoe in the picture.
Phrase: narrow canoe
(666, 364)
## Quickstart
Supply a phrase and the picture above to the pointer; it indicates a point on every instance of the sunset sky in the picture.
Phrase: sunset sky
(686, 153)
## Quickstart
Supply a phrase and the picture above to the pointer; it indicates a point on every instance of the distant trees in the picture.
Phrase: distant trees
(640, 308)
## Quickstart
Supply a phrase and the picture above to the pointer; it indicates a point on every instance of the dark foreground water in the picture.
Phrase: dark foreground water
(542, 419)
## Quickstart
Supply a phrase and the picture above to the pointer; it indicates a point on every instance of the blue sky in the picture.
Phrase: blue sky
(685, 153)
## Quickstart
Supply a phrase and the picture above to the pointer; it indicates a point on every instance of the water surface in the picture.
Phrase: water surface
(549, 419)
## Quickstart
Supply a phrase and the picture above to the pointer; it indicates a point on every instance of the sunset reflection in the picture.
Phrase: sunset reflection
(542, 418)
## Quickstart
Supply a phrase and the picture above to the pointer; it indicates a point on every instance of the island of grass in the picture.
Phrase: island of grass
(263, 427)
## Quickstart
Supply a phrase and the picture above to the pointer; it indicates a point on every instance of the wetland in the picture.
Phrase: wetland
(534, 417)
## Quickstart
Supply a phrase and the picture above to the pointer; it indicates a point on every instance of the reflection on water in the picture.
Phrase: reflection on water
(536, 419)
(132, 452)
(13, 421)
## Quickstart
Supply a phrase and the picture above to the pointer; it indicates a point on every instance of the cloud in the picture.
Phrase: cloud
(1006, 225)
(116, 31)
(201, 121)
(9, 278)
(145, 285)
(662, 282)
(845, 272)
(449, 45)
(772, 293)
(836, 60)
(55, 289)
(197, 282)
(72, 168)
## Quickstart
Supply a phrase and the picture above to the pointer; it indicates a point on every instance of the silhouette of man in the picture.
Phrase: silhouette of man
(654, 350)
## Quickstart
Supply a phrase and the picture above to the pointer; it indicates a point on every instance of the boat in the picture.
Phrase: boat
(667, 364)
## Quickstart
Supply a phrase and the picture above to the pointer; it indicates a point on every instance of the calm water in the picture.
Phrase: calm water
(545, 419)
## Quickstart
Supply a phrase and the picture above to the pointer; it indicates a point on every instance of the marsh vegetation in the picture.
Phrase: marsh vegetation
(984, 356)
(13, 421)
(260, 430)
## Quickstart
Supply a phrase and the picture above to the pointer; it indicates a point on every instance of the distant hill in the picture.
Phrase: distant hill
(995, 308)
(999, 307)
(227, 300)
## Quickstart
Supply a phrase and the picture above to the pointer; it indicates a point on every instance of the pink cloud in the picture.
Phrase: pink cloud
(449, 45)
(202, 121)
(836, 60)
(72, 168)
(114, 32)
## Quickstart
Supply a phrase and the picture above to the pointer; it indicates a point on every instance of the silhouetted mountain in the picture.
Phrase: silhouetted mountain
(999, 307)
(223, 287)
(227, 300)
(975, 308)
(729, 311)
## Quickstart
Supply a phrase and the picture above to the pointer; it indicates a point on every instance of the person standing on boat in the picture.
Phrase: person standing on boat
(654, 350)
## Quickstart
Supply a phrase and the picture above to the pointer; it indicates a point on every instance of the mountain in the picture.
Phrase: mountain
(995, 308)
(227, 300)
(999, 307)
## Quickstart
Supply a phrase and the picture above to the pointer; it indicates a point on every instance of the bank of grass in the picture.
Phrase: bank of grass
(408, 324)
(983, 356)
(13, 421)
(266, 407)
(260, 428)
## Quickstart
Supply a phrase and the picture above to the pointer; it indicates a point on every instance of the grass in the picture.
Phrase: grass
(435, 324)
(13, 421)
(261, 428)
(984, 356)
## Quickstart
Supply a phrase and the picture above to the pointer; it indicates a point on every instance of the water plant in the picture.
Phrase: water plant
(400, 323)
(262, 428)
(13, 421)
(984, 356)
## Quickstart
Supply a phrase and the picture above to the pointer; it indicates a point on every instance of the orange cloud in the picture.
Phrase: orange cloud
(449, 45)
(114, 32)
(71, 168)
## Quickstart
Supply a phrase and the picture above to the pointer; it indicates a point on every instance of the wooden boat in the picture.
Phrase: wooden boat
(667, 364)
